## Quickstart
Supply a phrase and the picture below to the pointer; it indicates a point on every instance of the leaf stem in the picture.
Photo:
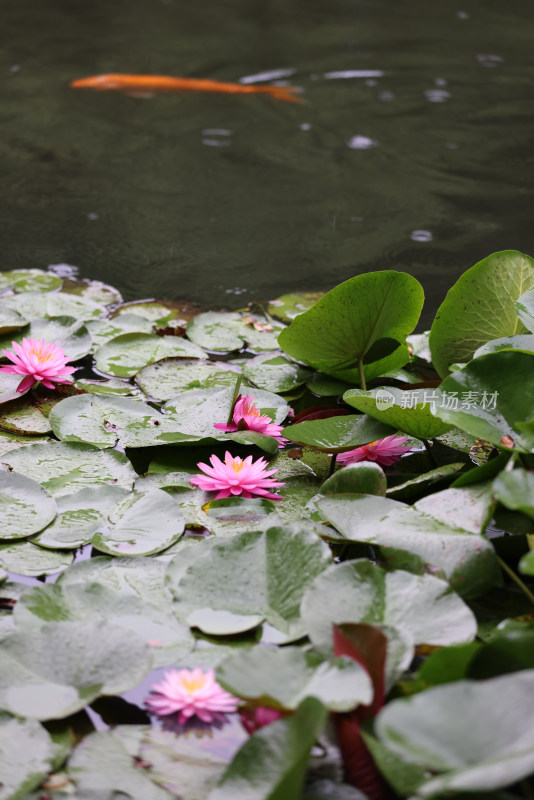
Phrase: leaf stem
(363, 384)
(516, 579)
(332, 465)
(234, 398)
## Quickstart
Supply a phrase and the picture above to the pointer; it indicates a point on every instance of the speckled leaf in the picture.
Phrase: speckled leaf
(407, 410)
(64, 468)
(468, 317)
(96, 291)
(25, 507)
(26, 558)
(421, 606)
(523, 342)
(338, 434)
(275, 373)
(143, 523)
(54, 304)
(365, 319)
(168, 639)
(258, 583)
(221, 331)
(10, 320)
(283, 677)
(125, 355)
(289, 306)
(79, 516)
(103, 330)
(109, 386)
(12, 441)
(29, 280)
(168, 379)
(497, 748)
(52, 670)
(24, 415)
(502, 388)
(26, 756)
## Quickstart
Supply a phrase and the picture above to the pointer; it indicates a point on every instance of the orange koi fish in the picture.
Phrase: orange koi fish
(148, 84)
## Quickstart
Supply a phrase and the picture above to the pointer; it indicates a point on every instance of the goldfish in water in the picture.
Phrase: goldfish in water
(148, 84)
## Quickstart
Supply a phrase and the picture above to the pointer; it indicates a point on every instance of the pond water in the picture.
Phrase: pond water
(412, 149)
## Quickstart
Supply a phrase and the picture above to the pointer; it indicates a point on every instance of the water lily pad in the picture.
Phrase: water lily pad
(421, 606)
(26, 507)
(103, 330)
(419, 541)
(524, 307)
(480, 307)
(428, 730)
(54, 304)
(96, 291)
(221, 331)
(12, 441)
(496, 399)
(109, 386)
(67, 332)
(26, 558)
(289, 306)
(10, 320)
(29, 280)
(407, 410)
(64, 468)
(523, 342)
(515, 490)
(125, 355)
(283, 677)
(52, 670)
(168, 639)
(143, 523)
(24, 415)
(167, 379)
(79, 516)
(275, 373)
(18, 739)
(364, 477)
(258, 585)
(363, 321)
(8, 387)
(338, 434)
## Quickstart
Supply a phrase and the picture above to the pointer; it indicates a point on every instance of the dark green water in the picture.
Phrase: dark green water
(221, 198)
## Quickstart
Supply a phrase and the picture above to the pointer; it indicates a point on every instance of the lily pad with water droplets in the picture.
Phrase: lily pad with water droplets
(222, 332)
(33, 305)
(10, 320)
(275, 373)
(19, 738)
(66, 332)
(169, 378)
(26, 508)
(26, 558)
(103, 330)
(125, 355)
(29, 280)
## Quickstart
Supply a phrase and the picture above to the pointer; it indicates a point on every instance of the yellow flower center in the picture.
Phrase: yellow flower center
(38, 352)
(236, 464)
(192, 684)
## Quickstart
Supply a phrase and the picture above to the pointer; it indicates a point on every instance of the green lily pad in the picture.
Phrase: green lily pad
(168, 639)
(497, 395)
(407, 410)
(18, 739)
(364, 477)
(29, 280)
(26, 558)
(10, 320)
(272, 763)
(288, 306)
(420, 606)
(26, 507)
(480, 307)
(338, 434)
(79, 516)
(275, 373)
(524, 307)
(24, 415)
(260, 586)
(283, 677)
(116, 387)
(8, 387)
(12, 441)
(523, 342)
(410, 490)
(96, 291)
(363, 321)
(54, 669)
(54, 304)
(167, 379)
(64, 468)
(515, 490)
(125, 355)
(67, 332)
(222, 331)
(428, 730)
(143, 523)
(419, 541)
(103, 330)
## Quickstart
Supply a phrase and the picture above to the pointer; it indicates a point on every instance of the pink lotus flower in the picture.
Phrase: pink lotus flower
(37, 361)
(237, 477)
(252, 719)
(191, 693)
(384, 451)
(248, 417)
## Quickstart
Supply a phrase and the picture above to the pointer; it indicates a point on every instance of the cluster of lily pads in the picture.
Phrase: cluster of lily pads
(386, 614)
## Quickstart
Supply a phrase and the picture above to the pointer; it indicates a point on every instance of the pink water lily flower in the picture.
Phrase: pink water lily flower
(383, 452)
(37, 361)
(236, 476)
(191, 693)
(248, 417)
